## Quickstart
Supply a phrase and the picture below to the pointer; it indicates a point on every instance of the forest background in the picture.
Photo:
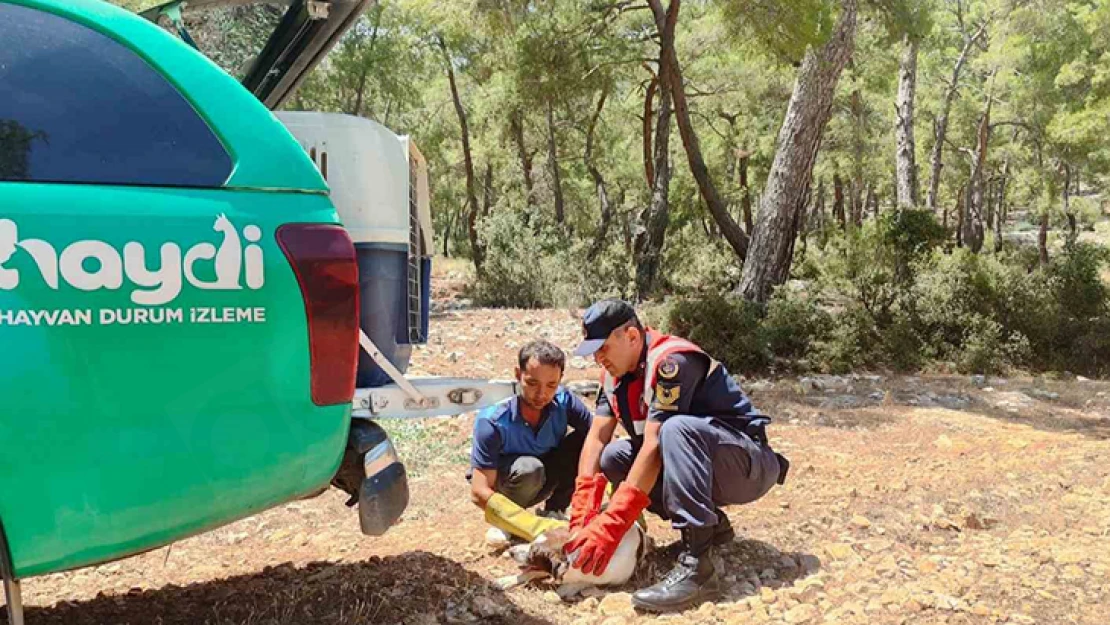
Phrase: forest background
(804, 185)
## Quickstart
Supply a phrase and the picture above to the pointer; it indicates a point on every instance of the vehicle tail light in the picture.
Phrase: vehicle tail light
(323, 258)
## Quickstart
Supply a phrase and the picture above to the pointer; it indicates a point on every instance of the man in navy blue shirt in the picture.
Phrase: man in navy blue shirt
(695, 444)
(526, 449)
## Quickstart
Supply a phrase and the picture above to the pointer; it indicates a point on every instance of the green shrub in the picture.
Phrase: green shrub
(794, 322)
(849, 344)
(692, 266)
(521, 264)
(728, 328)
(533, 266)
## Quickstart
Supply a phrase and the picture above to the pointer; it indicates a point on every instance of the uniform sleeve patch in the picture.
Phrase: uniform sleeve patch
(666, 396)
(668, 369)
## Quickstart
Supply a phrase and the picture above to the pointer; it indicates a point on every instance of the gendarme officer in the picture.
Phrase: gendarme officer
(696, 443)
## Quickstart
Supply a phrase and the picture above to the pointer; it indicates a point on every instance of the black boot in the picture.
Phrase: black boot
(723, 532)
(693, 580)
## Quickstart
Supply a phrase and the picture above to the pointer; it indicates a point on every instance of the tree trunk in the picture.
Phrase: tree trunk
(857, 199)
(871, 204)
(905, 157)
(783, 269)
(649, 98)
(1073, 229)
(649, 244)
(745, 191)
(961, 208)
(477, 253)
(796, 150)
(973, 222)
(599, 182)
(940, 126)
(820, 203)
(553, 162)
(732, 232)
(988, 199)
(859, 148)
(487, 190)
(360, 91)
(447, 233)
(1000, 206)
(803, 225)
(838, 201)
(516, 128)
(1042, 238)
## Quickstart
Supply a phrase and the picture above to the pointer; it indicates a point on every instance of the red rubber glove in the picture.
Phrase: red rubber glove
(597, 542)
(589, 490)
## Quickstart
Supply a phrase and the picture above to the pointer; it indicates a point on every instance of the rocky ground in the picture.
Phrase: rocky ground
(911, 500)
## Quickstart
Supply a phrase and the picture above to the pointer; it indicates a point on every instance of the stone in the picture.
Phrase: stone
(587, 605)
(810, 385)
(615, 620)
(803, 613)
(1073, 573)
(488, 607)
(617, 604)
(767, 595)
(809, 563)
(980, 609)
(1022, 619)
(840, 551)
(974, 521)
(552, 597)
(896, 596)
(707, 610)
(861, 522)
(1073, 556)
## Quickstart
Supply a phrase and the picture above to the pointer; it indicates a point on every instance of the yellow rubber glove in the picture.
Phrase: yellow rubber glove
(505, 515)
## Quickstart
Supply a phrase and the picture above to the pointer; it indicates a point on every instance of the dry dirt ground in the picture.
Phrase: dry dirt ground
(911, 500)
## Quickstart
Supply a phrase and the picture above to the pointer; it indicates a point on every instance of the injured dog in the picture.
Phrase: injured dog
(544, 558)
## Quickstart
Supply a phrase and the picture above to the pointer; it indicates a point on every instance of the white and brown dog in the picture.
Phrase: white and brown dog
(543, 558)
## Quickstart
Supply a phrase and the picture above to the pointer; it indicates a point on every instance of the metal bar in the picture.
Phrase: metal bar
(12, 589)
(14, 592)
(390, 370)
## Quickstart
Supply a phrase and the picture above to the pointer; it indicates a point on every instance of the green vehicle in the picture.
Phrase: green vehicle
(181, 305)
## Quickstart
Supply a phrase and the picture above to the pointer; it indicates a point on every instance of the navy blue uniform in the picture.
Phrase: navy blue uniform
(533, 464)
(709, 458)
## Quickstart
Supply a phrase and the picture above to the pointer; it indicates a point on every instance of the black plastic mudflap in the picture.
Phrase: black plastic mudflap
(382, 499)
(374, 477)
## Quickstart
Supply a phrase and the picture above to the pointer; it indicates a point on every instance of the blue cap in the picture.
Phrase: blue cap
(599, 322)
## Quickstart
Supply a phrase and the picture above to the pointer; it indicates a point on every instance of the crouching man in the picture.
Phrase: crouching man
(526, 449)
(696, 443)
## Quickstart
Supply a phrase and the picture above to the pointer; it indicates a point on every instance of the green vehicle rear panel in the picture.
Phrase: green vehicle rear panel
(121, 437)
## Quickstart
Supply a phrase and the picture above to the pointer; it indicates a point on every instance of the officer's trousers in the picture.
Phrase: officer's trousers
(705, 465)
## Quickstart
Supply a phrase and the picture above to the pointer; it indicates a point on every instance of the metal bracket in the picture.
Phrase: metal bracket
(442, 397)
(12, 589)
(318, 10)
(465, 396)
(394, 374)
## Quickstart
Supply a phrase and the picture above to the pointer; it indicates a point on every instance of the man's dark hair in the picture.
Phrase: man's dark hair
(544, 352)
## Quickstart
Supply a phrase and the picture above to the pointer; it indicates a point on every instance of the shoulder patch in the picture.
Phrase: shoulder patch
(668, 369)
(666, 396)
